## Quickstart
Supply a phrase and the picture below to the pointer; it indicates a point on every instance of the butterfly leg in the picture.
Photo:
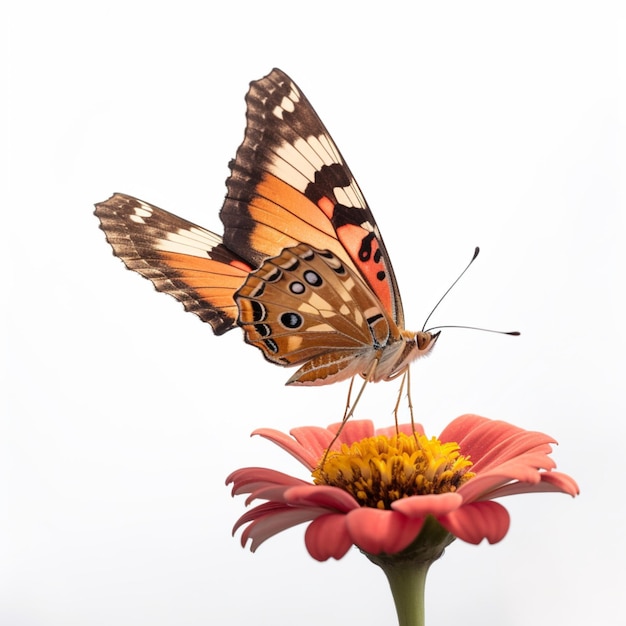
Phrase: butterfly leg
(347, 409)
(408, 397)
(349, 412)
(406, 379)
(396, 408)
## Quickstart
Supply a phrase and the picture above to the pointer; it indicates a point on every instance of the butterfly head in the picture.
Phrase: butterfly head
(413, 345)
(418, 344)
(425, 341)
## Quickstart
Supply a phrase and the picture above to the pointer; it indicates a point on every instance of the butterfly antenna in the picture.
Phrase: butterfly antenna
(476, 251)
(513, 333)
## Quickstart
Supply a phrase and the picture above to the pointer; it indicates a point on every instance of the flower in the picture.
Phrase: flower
(379, 489)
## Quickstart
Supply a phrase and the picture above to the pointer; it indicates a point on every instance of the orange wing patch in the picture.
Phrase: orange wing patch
(186, 261)
(364, 246)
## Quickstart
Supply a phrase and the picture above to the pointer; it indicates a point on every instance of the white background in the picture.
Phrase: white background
(496, 124)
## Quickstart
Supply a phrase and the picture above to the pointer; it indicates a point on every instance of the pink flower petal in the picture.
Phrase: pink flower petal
(512, 448)
(560, 482)
(248, 479)
(550, 482)
(491, 442)
(273, 493)
(405, 429)
(258, 512)
(525, 469)
(314, 439)
(321, 496)
(273, 522)
(477, 521)
(459, 428)
(377, 531)
(327, 536)
(353, 430)
(306, 449)
(421, 506)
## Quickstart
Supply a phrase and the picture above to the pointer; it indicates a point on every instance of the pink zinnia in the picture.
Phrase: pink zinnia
(379, 489)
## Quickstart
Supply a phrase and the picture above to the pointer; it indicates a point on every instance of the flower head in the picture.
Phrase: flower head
(379, 470)
(377, 489)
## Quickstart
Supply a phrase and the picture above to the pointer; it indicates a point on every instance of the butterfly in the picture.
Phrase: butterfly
(301, 267)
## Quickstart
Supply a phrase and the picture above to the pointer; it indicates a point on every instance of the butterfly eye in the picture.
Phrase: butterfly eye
(291, 320)
(296, 287)
(313, 278)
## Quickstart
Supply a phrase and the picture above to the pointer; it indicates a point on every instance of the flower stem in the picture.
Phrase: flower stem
(407, 582)
(406, 571)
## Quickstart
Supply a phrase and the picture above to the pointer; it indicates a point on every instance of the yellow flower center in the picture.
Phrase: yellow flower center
(378, 470)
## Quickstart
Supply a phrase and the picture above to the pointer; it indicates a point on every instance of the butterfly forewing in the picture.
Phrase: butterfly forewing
(290, 184)
(180, 258)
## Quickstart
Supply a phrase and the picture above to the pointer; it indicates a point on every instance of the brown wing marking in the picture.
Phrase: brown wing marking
(181, 259)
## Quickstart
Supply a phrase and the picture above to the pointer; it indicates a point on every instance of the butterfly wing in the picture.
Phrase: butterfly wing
(289, 184)
(181, 259)
(290, 194)
(306, 307)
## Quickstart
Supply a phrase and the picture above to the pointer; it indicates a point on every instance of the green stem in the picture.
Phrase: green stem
(407, 582)
(406, 571)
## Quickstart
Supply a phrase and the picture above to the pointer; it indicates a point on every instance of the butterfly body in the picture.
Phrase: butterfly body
(301, 268)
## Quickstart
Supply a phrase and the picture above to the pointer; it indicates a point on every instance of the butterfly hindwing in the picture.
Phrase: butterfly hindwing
(305, 303)
(290, 184)
(181, 259)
